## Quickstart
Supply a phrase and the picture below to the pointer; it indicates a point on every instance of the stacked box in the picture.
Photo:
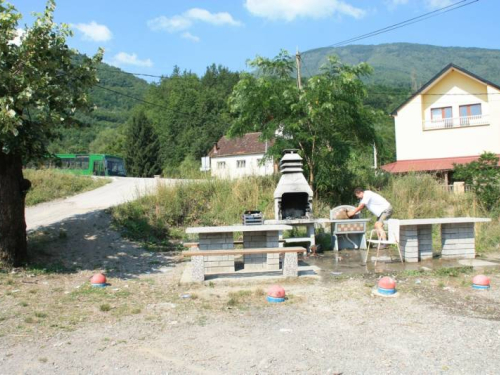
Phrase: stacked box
(259, 240)
(217, 241)
(273, 262)
(409, 242)
(458, 240)
(425, 241)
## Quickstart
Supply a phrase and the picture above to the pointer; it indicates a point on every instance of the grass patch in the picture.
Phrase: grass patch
(160, 218)
(105, 307)
(50, 184)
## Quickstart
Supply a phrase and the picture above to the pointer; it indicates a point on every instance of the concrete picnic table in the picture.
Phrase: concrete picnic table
(457, 237)
(254, 236)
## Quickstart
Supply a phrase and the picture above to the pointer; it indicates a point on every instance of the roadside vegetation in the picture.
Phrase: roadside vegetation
(161, 218)
(49, 184)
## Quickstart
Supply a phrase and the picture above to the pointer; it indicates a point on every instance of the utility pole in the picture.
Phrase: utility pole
(374, 156)
(298, 60)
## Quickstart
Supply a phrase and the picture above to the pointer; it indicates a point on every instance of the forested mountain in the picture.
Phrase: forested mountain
(102, 129)
(190, 112)
(406, 64)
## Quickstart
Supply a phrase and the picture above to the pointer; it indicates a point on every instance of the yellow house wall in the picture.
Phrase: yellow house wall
(413, 142)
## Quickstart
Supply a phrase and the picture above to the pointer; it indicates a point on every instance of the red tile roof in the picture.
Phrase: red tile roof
(427, 165)
(246, 145)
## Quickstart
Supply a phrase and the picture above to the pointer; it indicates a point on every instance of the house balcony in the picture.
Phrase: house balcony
(456, 122)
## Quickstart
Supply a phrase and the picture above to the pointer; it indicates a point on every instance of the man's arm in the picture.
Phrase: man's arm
(356, 210)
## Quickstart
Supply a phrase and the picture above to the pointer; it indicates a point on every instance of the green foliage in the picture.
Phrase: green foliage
(408, 65)
(49, 184)
(153, 218)
(142, 148)
(326, 120)
(484, 176)
(41, 86)
(102, 130)
(415, 196)
(191, 112)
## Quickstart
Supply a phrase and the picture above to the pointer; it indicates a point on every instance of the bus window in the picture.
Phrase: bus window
(98, 168)
(115, 167)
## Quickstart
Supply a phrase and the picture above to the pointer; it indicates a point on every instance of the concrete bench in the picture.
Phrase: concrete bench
(290, 264)
(457, 237)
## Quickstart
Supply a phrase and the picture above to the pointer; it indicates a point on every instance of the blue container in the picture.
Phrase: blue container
(480, 287)
(386, 292)
(100, 285)
(275, 300)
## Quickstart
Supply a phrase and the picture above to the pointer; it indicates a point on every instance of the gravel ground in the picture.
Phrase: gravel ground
(438, 324)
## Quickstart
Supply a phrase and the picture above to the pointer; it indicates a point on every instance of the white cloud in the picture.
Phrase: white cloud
(290, 9)
(431, 4)
(172, 25)
(187, 19)
(123, 58)
(435, 4)
(395, 3)
(193, 38)
(217, 19)
(94, 32)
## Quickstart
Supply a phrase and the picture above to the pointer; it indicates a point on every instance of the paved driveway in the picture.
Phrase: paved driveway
(120, 190)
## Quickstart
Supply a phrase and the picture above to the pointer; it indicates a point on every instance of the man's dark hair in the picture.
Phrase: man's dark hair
(358, 190)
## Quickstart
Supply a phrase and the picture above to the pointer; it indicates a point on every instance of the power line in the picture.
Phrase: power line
(423, 17)
(130, 73)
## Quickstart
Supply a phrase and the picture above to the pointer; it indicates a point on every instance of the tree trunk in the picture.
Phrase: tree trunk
(13, 244)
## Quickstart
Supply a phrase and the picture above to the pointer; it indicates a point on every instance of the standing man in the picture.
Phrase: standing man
(377, 205)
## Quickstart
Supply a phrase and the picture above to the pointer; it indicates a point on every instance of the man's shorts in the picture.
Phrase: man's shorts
(386, 214)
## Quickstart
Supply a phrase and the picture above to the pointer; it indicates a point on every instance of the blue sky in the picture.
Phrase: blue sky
(153, 36)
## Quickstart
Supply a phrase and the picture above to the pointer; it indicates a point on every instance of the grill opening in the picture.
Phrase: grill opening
(294, 205)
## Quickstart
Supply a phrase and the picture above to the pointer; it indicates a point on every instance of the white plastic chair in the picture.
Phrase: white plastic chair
(392, 239)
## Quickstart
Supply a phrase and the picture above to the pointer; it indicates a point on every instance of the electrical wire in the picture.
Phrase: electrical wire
(408, 22)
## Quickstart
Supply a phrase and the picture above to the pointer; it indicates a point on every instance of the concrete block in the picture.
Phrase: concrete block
(198, 269)
(290, 265)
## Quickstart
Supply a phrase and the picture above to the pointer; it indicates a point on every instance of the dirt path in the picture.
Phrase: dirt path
(120, 190)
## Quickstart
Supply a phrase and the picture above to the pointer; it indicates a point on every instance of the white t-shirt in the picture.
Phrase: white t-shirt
(375, 202)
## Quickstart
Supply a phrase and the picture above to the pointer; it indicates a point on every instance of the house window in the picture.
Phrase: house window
(221, 165)
(468, 113)
(241, 163)
(444, 115)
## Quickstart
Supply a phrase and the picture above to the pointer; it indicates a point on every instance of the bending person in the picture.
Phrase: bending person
(377, 205)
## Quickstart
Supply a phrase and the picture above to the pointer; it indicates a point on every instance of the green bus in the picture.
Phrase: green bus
(90, 164)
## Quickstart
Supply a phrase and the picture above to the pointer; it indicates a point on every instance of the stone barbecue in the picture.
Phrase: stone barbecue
(293, 196)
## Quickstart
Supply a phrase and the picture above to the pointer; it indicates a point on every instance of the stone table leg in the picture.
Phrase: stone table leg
(217, 241)
(408, 241)
(425, 241)
(291, 265)
(198, 270)
(261, 239)
(458, 240)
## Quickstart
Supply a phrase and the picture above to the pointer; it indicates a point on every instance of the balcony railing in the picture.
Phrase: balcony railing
(456, 122)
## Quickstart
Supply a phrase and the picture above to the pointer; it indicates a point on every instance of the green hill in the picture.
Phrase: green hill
(100, 131)
(406, 64)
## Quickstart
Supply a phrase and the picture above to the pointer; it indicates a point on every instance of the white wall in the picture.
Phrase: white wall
(252, 167)
(413, 142)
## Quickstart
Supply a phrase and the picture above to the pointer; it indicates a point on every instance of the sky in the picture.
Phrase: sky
(152, 36)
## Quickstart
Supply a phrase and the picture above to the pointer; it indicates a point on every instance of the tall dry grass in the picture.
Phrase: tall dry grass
(421, 196)
(50, 184)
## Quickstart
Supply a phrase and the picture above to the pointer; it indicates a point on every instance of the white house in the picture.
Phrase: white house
(238, 157)
(453, 118)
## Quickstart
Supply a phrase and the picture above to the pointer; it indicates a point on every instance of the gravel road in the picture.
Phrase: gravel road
(120, 190)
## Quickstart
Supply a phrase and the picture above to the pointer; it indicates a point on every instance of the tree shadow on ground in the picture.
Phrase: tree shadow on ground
(88, 242)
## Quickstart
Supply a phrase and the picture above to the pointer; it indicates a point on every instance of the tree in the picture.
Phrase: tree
(484, 176)
(325, 120)
(142, 148)
(41, 87)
